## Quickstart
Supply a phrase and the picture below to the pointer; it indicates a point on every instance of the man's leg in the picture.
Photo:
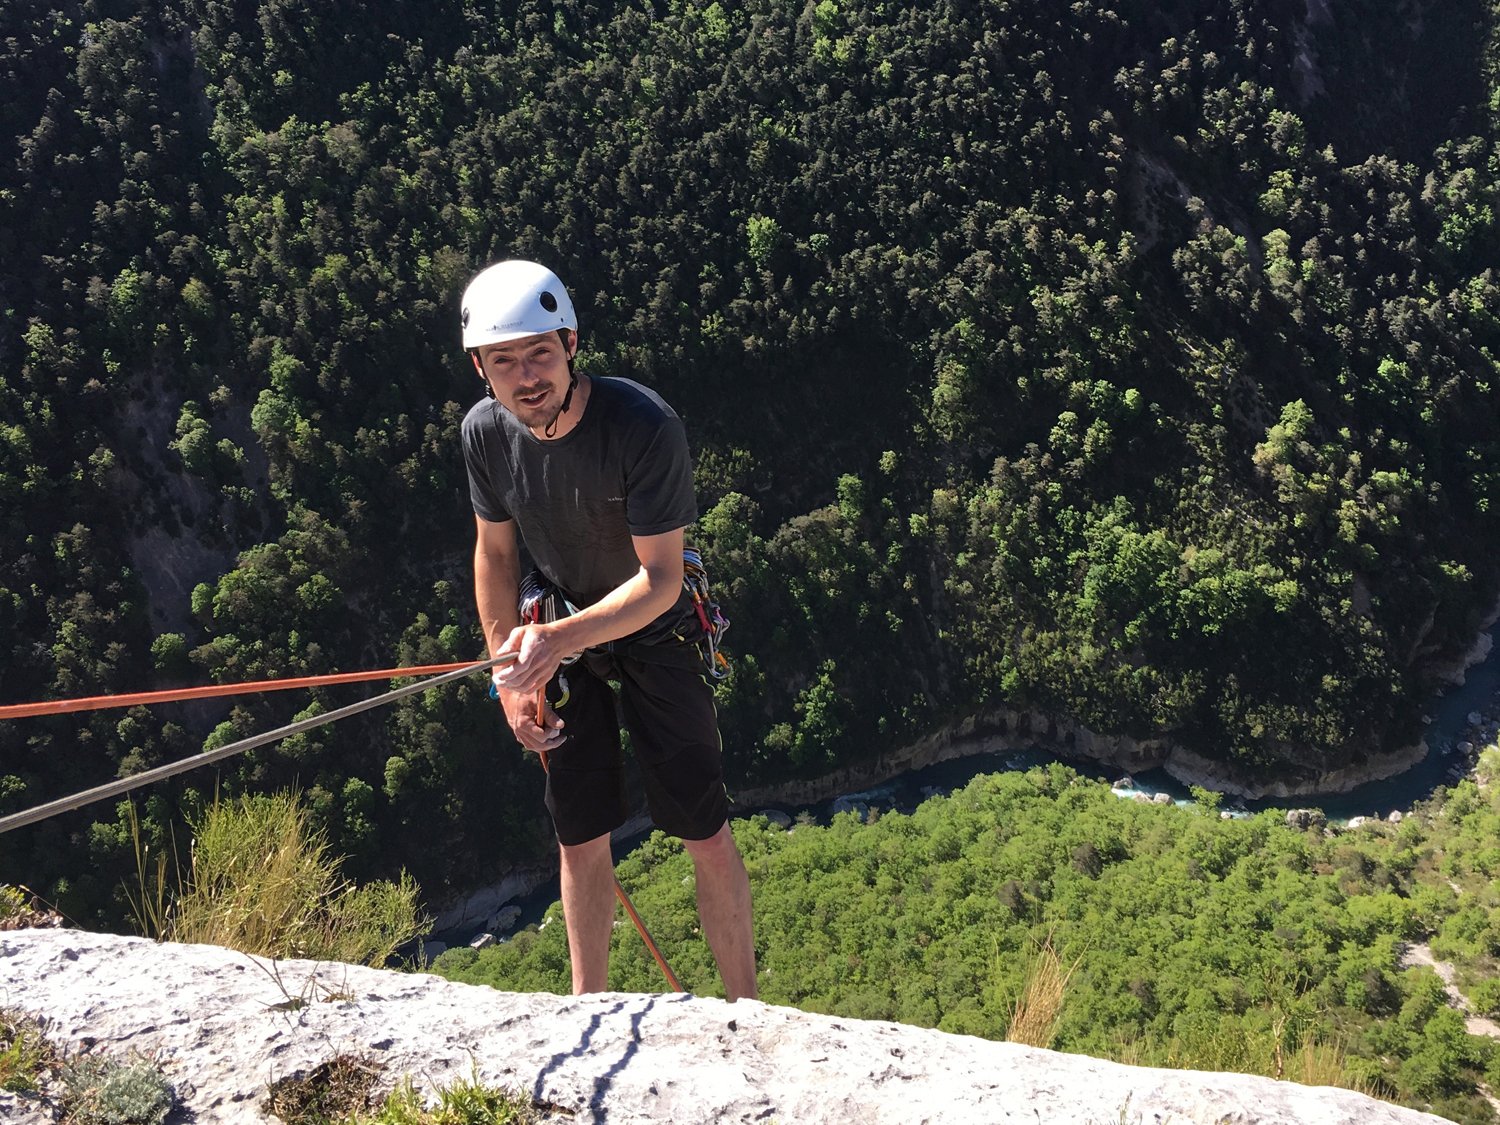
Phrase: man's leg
(588, 898)
(724, 906)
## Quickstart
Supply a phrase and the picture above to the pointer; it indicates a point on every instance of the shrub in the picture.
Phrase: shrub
(1485, 996)
(262, 881)
(104, 1091)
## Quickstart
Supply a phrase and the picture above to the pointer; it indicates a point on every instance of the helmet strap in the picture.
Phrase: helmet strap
(551, 427)
(489, 391)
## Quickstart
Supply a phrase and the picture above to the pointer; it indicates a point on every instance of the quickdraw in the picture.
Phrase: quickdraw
(711, 618)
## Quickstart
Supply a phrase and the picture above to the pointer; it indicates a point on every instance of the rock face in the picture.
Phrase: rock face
(223, 1025)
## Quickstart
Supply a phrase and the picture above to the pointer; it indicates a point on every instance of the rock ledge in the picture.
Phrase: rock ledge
(222, 1025)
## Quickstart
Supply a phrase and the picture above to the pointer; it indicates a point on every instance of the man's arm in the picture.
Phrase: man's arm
(497, 581)
(632, 605)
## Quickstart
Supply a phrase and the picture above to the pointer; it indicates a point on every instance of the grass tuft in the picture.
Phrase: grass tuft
(1035, 1016)
(262, 880)
(464, 1103)
(333, 1091)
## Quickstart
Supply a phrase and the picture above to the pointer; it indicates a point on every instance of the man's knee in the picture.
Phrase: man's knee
(719, 848)
(586, 852)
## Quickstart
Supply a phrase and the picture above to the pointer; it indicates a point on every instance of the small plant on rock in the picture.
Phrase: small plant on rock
(25, 1054)
(102, 1091)
(468, 1102)
(332, 1091)
(22, 910)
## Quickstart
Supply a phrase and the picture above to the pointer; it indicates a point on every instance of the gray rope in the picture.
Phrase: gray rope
(135, 781)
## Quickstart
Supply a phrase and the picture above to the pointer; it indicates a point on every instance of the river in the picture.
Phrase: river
(1449, 711)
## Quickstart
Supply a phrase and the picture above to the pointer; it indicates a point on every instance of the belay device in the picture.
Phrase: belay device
(539, 601)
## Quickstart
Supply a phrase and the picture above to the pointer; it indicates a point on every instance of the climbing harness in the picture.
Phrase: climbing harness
(710, 618)
(540, 602)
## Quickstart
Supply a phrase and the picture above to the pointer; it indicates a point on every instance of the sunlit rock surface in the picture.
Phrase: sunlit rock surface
(223, 1026)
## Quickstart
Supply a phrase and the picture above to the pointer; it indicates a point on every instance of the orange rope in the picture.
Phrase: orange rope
(210, 691)
(646, 936)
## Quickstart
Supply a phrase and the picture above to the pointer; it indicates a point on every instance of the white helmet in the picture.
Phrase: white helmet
(513, 299)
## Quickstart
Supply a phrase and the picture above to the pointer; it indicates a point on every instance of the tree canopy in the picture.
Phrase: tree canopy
(1134, 366)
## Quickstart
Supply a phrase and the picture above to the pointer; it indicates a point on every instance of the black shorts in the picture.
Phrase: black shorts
(668, 708)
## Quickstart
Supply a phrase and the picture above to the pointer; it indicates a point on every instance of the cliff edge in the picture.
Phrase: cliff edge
(223, 1025)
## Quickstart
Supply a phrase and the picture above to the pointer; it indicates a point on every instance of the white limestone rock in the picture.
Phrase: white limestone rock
(223, 1025)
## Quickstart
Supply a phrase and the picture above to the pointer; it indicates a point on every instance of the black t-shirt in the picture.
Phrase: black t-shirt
(623, 470)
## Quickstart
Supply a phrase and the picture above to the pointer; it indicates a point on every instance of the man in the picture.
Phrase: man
(594, 475)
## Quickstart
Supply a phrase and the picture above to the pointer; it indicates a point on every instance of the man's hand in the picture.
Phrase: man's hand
(540, 653)
(520, 712)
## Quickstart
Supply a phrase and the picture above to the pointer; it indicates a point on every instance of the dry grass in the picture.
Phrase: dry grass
(332, 1091)
(262, 880)
(150, 903)
(1038, 1009)
(258, 879)
(1324, 1064)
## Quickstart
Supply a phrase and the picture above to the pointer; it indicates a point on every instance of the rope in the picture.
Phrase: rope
(135, 781)
(173, 695)
(446, 674)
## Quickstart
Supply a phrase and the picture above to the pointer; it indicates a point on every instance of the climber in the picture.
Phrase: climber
(593, 475)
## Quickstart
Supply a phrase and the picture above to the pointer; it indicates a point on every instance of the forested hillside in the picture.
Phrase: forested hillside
(1042, 908)
(1131, 363)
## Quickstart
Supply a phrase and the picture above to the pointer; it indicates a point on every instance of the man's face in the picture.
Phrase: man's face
(529, 376)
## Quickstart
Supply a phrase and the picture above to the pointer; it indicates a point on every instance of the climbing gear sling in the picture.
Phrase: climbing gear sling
(711, 619)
